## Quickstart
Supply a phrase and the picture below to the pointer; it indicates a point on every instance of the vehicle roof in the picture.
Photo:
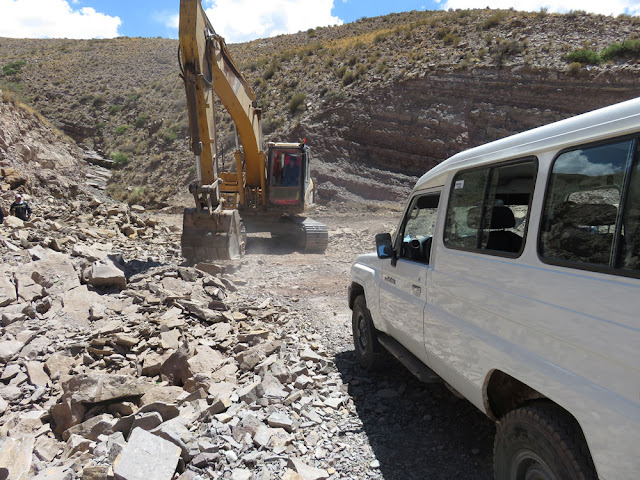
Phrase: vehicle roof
(615, 120)
(285, 145)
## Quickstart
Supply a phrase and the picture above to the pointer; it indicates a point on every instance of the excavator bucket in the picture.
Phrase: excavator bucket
(206, 238)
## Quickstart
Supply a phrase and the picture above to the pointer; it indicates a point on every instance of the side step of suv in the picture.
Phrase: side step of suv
(408, 359)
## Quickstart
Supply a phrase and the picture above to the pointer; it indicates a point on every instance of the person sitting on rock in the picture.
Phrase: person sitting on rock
(20, 209)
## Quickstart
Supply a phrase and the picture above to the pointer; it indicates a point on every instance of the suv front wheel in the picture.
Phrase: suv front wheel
(365, 338)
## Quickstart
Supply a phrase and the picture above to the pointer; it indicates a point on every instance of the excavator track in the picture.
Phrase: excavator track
(315, 236)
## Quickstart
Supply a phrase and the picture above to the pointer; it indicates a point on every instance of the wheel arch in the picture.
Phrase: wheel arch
(355, 290)
(503, 393)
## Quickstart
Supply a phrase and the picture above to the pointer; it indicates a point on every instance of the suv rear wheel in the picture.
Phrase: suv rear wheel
(365, 338)
(541, 442)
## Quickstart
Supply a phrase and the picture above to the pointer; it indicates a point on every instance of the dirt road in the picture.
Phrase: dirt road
(398, 428)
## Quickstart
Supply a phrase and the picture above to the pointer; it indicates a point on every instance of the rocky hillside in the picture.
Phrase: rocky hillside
(379, 100)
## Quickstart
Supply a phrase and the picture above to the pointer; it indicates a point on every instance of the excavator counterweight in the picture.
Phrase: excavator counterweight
(268, 191)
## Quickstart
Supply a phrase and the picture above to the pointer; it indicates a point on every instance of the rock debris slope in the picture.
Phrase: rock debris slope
(117, 362)
(110, 372)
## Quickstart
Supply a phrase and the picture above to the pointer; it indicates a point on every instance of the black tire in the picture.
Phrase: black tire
(541, 442)
(365, 338)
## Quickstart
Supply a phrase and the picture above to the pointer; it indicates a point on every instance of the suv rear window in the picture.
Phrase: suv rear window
(591, 214)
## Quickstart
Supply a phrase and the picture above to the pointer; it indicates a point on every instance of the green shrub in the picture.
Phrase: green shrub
(142, 120)
(122, 129)
(441, 33)
(382, 68)
(574, 68)
(15, 88)
(271, 124)
(120, 159)
(575, 13)
(451, 39)
(504, 49)
(269, 73)
(348, 78)
(98, 101)
(334, 96)
(138, 195)
(13, 68)
(584, 56)
(168, 135)
(114, 109)
(629, 50)
(494, 19)
(287, 56)
(380, 37)
(296, 101)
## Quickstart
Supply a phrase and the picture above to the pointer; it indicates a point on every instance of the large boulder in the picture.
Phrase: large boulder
(98, 388)
(7, 288)
(147, 457)
(80, 303)
(55, 273)
(15, 457)
(107, 273)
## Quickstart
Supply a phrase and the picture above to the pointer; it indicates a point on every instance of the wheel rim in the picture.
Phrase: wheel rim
(363, 333)
(528, 465)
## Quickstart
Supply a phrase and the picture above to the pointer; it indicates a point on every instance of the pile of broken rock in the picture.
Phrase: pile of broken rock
(113, 366)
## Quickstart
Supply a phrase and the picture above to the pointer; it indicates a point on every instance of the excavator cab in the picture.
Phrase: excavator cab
(289, 180)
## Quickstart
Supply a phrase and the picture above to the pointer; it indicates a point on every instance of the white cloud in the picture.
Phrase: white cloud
(54, 19)
(170, 21)
(243, 20)
(578, 163)
(611, 7)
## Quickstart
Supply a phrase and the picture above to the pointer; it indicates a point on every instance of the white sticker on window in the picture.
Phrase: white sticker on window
(459, 184)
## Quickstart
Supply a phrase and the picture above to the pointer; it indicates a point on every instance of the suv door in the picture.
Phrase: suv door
(403, 292)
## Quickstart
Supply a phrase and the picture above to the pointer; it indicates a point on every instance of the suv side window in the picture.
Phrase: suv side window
(418, 228)
(489, 207)
(592, 208)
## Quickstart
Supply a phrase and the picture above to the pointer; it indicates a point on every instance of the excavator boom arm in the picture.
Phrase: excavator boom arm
(208, 65)
(213, 229)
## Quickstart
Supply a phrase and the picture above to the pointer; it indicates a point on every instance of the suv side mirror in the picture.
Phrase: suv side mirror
(384, 246)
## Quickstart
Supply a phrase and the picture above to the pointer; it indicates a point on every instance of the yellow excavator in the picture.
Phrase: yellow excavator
(268, 191)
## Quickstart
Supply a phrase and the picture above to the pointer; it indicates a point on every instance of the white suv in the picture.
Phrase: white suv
(514, 275)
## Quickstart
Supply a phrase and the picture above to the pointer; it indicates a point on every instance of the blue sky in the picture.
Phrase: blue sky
(237, 20)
